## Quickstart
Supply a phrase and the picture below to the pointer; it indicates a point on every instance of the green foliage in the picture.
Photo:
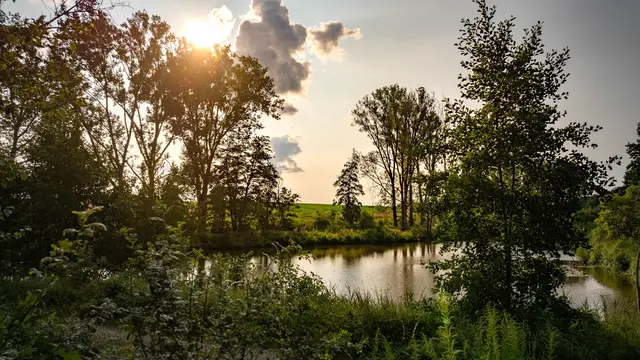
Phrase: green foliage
(174, 302)
(513, 182)
(366, 221)
(583, 254)
(343, 236)
(322, 221)
(74, 255)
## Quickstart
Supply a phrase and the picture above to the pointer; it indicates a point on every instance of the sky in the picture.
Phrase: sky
(328, 54)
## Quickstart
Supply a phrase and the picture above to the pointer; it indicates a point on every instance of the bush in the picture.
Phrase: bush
(583, 254)
(321, 222)
(366, 221)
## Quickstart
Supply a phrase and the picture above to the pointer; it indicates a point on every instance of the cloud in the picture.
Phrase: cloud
(284, 149)
(222, 19)
(268, 34)
(325, 39)
(274, 40)
(289, 110)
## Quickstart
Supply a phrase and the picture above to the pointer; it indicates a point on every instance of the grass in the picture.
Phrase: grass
(306, 214)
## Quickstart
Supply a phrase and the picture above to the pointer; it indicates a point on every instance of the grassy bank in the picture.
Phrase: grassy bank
(307, 238)
(321, 224)
(306, 215)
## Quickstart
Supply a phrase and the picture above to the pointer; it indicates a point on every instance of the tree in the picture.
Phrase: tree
(421, 145)
(214, 92)
(63, 177)
(619, 221)
(513, 180)
(245, 172)
(375, 115)
(143, 48)
(632, 175)
(283, 206)
(348, 189)
(92, 49)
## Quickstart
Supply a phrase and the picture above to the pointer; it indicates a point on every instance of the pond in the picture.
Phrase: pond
(396, 270)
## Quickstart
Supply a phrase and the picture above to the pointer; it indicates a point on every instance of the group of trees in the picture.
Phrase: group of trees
(90, 112)
(407, 130)
(503, 179)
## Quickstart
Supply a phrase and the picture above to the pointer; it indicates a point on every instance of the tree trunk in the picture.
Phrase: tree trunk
(638, 279)
(152, 186)
(411, 220)
(420, 195)
(202, 222)
(403, 203)
(508, 277)
(234, 218)
(393, 204)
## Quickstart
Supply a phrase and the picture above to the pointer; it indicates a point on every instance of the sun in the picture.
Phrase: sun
(203, 34)
(215, 30)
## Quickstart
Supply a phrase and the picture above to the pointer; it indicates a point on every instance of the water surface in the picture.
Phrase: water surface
(395, 271)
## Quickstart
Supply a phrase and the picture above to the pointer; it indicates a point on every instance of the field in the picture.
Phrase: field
(307, 213)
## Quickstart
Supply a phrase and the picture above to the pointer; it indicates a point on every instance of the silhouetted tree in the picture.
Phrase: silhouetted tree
(348, 189)
(214, 92)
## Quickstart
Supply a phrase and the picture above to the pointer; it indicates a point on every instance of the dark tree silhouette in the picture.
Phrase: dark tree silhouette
(349, 188)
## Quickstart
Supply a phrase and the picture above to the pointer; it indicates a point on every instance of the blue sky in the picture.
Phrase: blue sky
(410, 42)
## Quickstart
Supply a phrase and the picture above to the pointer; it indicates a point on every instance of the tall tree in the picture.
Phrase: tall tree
(376, 115)
(143, 48)
(244, 172)
(283, 203)
(348, 189)
(430, 160)
(214, 93)
(512, 188)
(93, 44)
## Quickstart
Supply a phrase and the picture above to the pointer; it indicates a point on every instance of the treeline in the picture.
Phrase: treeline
(91, 110)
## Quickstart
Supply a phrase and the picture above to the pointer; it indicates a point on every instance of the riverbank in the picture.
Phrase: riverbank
(380, 235)
(231, 310)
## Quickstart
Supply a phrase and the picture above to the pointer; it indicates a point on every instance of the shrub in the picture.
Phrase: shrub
(321, 222)
(366, 221)
(583, 254)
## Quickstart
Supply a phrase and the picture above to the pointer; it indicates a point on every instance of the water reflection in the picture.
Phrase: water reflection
(395, 271)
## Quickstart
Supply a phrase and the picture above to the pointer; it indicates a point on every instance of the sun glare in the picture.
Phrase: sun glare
(215, 30)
